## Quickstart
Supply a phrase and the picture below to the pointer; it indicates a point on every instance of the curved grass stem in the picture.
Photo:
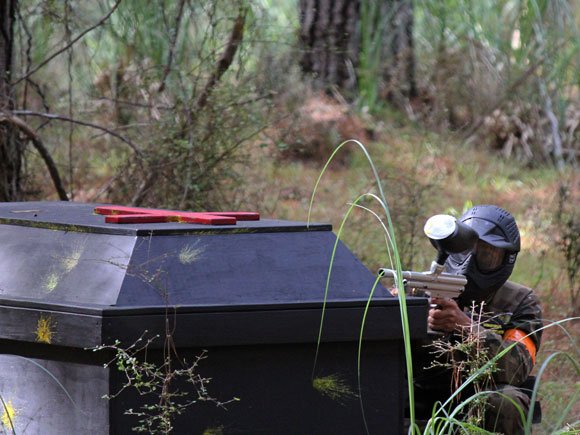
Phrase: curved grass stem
(397, 264)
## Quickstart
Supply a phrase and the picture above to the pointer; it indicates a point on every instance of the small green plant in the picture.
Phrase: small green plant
(157, 381)
(466, 357)
(214, 431)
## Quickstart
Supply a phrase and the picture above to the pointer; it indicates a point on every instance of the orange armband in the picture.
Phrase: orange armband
(521, 337)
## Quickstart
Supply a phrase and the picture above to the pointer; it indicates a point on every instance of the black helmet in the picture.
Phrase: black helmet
(498, 229)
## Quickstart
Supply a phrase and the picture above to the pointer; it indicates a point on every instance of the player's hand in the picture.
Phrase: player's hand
(447, 317)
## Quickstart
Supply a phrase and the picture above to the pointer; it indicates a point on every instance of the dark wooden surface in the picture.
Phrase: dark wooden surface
(274, 385)
(80, 217)
(54, 397)
(253, 296)
(270, 326)
(191, 269)
(57, 267)
(220, 288)
(243, 269)
(51, 327)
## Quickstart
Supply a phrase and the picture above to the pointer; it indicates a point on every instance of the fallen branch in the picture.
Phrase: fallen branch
(31, 135)
(76, 121)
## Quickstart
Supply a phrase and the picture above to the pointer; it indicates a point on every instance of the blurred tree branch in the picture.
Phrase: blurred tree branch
(225, 60)
(133, 146)
(172, 43)
(69, 45)
(42, 150)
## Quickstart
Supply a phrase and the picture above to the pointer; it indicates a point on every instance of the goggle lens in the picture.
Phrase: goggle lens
(488, 257)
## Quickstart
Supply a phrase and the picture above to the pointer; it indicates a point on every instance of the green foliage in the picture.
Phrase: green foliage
(505, 69)
(385, 70)
(525, 31)
(395, 261)
(140, 72)
(468, 357)
(175, 81)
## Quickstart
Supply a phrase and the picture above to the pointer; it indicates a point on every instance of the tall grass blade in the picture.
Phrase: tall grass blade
(398, 268)
(367, 306)
(551, 357)
(326, 288)
(388, 240)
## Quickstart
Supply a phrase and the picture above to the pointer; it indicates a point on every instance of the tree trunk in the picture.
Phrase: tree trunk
(330, 41)
(10, 148)
(398, 54)
(330, 34)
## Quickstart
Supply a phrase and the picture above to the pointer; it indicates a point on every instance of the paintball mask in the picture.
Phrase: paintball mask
(488, 265)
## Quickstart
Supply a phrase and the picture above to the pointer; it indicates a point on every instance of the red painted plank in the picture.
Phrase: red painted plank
(203, 218)
(135, 219)
(121, 214)
(239, 215)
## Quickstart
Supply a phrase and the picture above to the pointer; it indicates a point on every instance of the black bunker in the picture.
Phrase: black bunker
(248, 293)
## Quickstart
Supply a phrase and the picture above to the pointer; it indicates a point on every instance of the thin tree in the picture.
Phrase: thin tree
(11, 149)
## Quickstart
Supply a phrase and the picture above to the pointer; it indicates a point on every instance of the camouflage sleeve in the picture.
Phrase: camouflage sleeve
(528, 317)
(515, 366)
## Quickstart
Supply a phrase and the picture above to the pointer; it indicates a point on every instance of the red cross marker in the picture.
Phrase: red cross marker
(117, 214)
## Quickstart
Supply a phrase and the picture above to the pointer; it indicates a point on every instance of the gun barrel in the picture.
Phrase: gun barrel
(426, 277)
(441, 285)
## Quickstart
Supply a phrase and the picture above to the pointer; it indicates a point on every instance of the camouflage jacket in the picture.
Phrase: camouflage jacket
(512, 307)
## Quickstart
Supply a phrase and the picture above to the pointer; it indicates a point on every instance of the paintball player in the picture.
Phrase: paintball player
(511, 312)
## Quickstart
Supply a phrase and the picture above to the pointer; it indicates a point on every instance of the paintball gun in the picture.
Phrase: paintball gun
(448, 236)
